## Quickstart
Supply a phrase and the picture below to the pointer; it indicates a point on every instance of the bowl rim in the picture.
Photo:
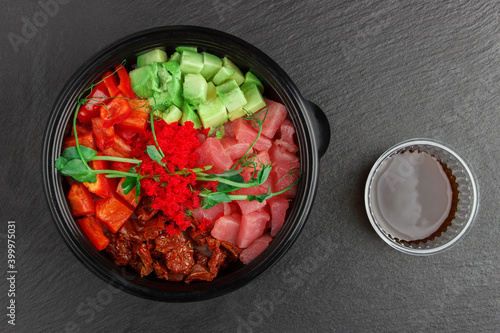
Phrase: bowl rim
(474, 193)
(51, 178)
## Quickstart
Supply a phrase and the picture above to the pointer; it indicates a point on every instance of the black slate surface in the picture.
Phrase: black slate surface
(383, 72)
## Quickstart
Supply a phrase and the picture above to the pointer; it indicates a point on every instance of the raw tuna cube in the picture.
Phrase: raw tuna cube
(248, 207)
(230, 208)
(233, 148)
(212, 153)
(278, 207)
(210, 214)
(280, 154)
(252, 227)
(281, 178)
(227, 228)
(257, 247)
(287, 130)
(276, 114)
(245, 133)
(228, 130)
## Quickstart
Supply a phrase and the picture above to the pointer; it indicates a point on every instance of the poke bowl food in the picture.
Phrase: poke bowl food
(175, 168)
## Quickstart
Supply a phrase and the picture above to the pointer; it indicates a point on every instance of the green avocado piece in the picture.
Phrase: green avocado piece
(181, 49)
(173, 68)
(188, 114)
(237, 75)
(160, 100)
(141, 79)
(212, 113)
(195, 89)
(211, 93)
(231, 95)
(254, 98)
(172, 114)
(251, 78)
(211, 65)
(175, 57)
(222, 75)
(156, 55)
(175, 90)
(191, 62)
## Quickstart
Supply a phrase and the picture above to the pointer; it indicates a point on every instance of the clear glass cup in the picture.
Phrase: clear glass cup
(468, 197)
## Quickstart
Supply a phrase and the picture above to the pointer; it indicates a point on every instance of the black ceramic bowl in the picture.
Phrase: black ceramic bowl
(312, 137)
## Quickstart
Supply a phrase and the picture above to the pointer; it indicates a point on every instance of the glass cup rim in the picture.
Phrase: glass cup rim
(474, 194)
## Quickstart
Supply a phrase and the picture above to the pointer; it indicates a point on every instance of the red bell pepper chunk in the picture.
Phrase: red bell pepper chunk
(129, 197)
(137, 121)
(115, 111)
(111, 82)
(112, 212)
(125, 134)
(104, 136)
(80, 200)
(81, 129)
(92, 108)
(119, 149)
(93, 229)
(125, 86)
(104, 186)
(121, 166)
(86, 140)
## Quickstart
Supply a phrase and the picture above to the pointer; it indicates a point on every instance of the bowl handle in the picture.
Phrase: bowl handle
(321, 126)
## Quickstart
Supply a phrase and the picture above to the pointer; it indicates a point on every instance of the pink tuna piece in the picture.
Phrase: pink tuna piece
(230, 208)
(248, 207)
(278, 207)
(279, 154)
(212, 153)
(233, 148)
(287, 130)
(257, 247)
(281, 178)
(228, 130)
(210, 214)
(227, 228)
(252, 227)
(276, 114)
(245, 133)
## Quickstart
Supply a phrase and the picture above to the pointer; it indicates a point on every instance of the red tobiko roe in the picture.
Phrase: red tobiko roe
(172, 194)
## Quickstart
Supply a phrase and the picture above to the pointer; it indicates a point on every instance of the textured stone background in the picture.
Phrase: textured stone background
(383, 72)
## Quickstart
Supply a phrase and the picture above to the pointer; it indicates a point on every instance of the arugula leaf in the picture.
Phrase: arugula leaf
(78, 171)
(71, 153)
(129, 184)
(223, 187)
(212, 199)
(60, 163)
(154, 154)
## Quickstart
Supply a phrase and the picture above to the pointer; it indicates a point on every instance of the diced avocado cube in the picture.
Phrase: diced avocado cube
(156, 55)
(211, 65)
(173, 68)
(191, 62)
(172, 115)
(140, 80)
(188, 114)
(175, 90)
(195, 89)
(254, 98)
(211, 93)
(175, 57)
(212, 113)
(237, 75)
(222, 75)
(251, 78)
(181, 49)
(160, 100)
(231, 95)
(164, 76)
